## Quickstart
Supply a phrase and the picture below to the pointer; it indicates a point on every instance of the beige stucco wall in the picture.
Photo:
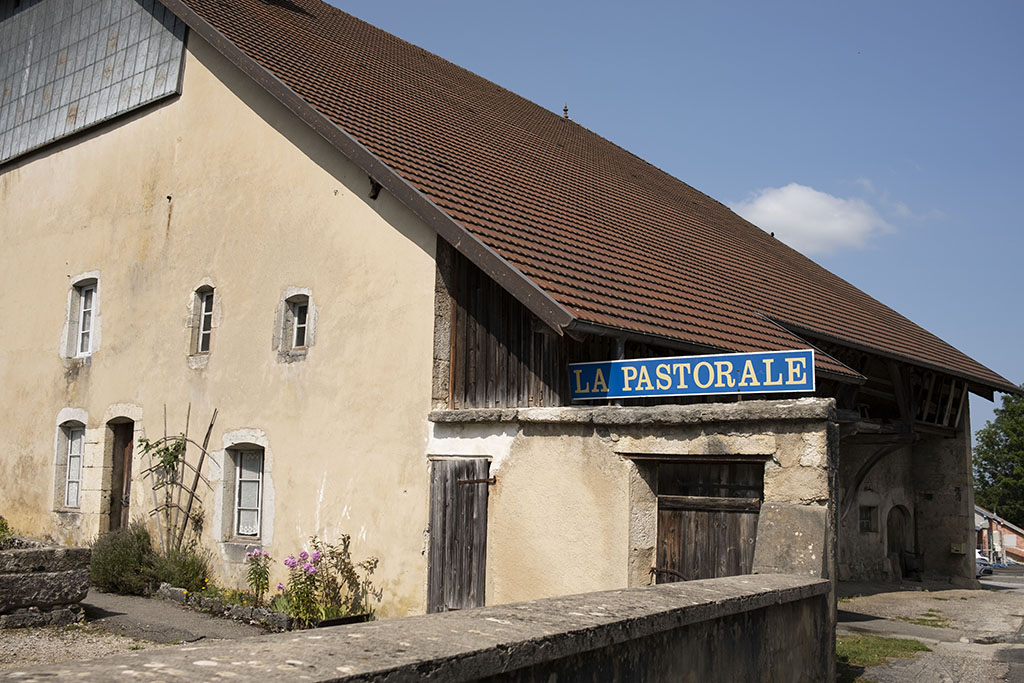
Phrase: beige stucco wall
(222, 186)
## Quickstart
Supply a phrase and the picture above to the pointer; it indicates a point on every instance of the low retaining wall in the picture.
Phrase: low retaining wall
(769, 627)
(42, 585)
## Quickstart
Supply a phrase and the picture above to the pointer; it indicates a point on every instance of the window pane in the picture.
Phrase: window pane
(300, 336)
(248, 523)
(208, 304)
(252, 465)
(84, 346)
(71, 500)
(87, 298)
(248, 494)
(300, 314)
(75, 441)
(74, 467)
(204, 342)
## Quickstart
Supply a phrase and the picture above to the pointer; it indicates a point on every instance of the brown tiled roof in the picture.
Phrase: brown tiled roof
(609, 238)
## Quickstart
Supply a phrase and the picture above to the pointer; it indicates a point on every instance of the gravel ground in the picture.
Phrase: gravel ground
(49, 644)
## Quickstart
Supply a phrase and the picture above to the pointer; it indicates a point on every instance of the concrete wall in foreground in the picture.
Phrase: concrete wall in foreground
(742, 628)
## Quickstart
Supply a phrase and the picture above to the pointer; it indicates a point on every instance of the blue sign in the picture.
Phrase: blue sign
(727, 373)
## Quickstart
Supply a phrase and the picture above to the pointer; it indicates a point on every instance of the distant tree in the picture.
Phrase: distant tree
(999, 462)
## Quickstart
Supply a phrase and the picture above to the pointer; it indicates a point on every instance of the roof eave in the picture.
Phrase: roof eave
(977, 385)
(510, 278)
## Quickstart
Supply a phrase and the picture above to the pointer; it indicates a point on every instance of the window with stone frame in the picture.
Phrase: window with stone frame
(70, 448)
(296, 325)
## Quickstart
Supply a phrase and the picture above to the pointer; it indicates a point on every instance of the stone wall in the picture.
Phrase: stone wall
(42, 585)
(743, 628)
(571, 510)
(929, 484)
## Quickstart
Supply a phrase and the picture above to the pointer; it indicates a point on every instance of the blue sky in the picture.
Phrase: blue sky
(882, 139)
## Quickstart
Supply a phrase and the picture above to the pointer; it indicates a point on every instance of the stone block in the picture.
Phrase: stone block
(44, 560)
(792, 539)
(240, 612)
(169, 592)
(43, 589)
(33, 616)
(795, 484)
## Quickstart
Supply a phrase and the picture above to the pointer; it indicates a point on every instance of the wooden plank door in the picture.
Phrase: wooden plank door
(707, 518)
(458, 534)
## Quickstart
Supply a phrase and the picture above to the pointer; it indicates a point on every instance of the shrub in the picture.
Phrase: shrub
(188, 568)
(6, 533)
(123, 561)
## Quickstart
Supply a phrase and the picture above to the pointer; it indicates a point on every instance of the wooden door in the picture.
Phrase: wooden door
(458, 534)
(123, 435)
(707, 518)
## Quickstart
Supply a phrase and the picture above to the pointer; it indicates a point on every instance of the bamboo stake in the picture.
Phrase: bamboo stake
(195, 482)
(179, 474)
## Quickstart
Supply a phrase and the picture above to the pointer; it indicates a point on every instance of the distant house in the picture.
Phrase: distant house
(378, 266)
(998, 539)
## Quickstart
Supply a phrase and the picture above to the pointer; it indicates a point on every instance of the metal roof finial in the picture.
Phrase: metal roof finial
(565, 112)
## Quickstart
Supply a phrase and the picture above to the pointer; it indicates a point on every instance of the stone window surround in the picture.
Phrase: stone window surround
(199, 359)
(70, 333)
(284, 329)
(222, 478)
(67, 418)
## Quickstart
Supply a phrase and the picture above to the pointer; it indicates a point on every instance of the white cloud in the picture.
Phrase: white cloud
(811, 221)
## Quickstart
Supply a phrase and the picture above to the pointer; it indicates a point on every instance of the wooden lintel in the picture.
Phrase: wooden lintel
(709, 503)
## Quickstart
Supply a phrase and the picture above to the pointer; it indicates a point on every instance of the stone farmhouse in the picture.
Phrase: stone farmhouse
(377, 267)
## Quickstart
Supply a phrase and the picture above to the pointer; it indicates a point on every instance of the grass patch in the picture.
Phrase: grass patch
(942, 599)
(856, 653)
(933, 617)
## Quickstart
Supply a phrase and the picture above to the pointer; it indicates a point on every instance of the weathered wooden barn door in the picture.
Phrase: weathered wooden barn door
(707, 517)
(458, 534)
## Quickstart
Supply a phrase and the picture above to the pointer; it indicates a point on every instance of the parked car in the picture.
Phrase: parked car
(981, 564)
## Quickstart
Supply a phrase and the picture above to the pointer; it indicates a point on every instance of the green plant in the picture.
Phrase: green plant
(326, 583)
(6, 533)
(188, 568)
(856, 653)
(258, 573)
(123, 561)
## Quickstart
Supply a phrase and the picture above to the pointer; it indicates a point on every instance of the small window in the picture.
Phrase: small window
(83, 318)
(300, 311)
(69, 465)
(87, 302)
(248, 492)
(868, 518)
(203, 327)
(296, 322)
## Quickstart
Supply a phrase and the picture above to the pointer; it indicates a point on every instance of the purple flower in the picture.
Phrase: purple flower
(303, 556)
(290, 561)
(280, 586)
(316, 556)
(310, 569)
